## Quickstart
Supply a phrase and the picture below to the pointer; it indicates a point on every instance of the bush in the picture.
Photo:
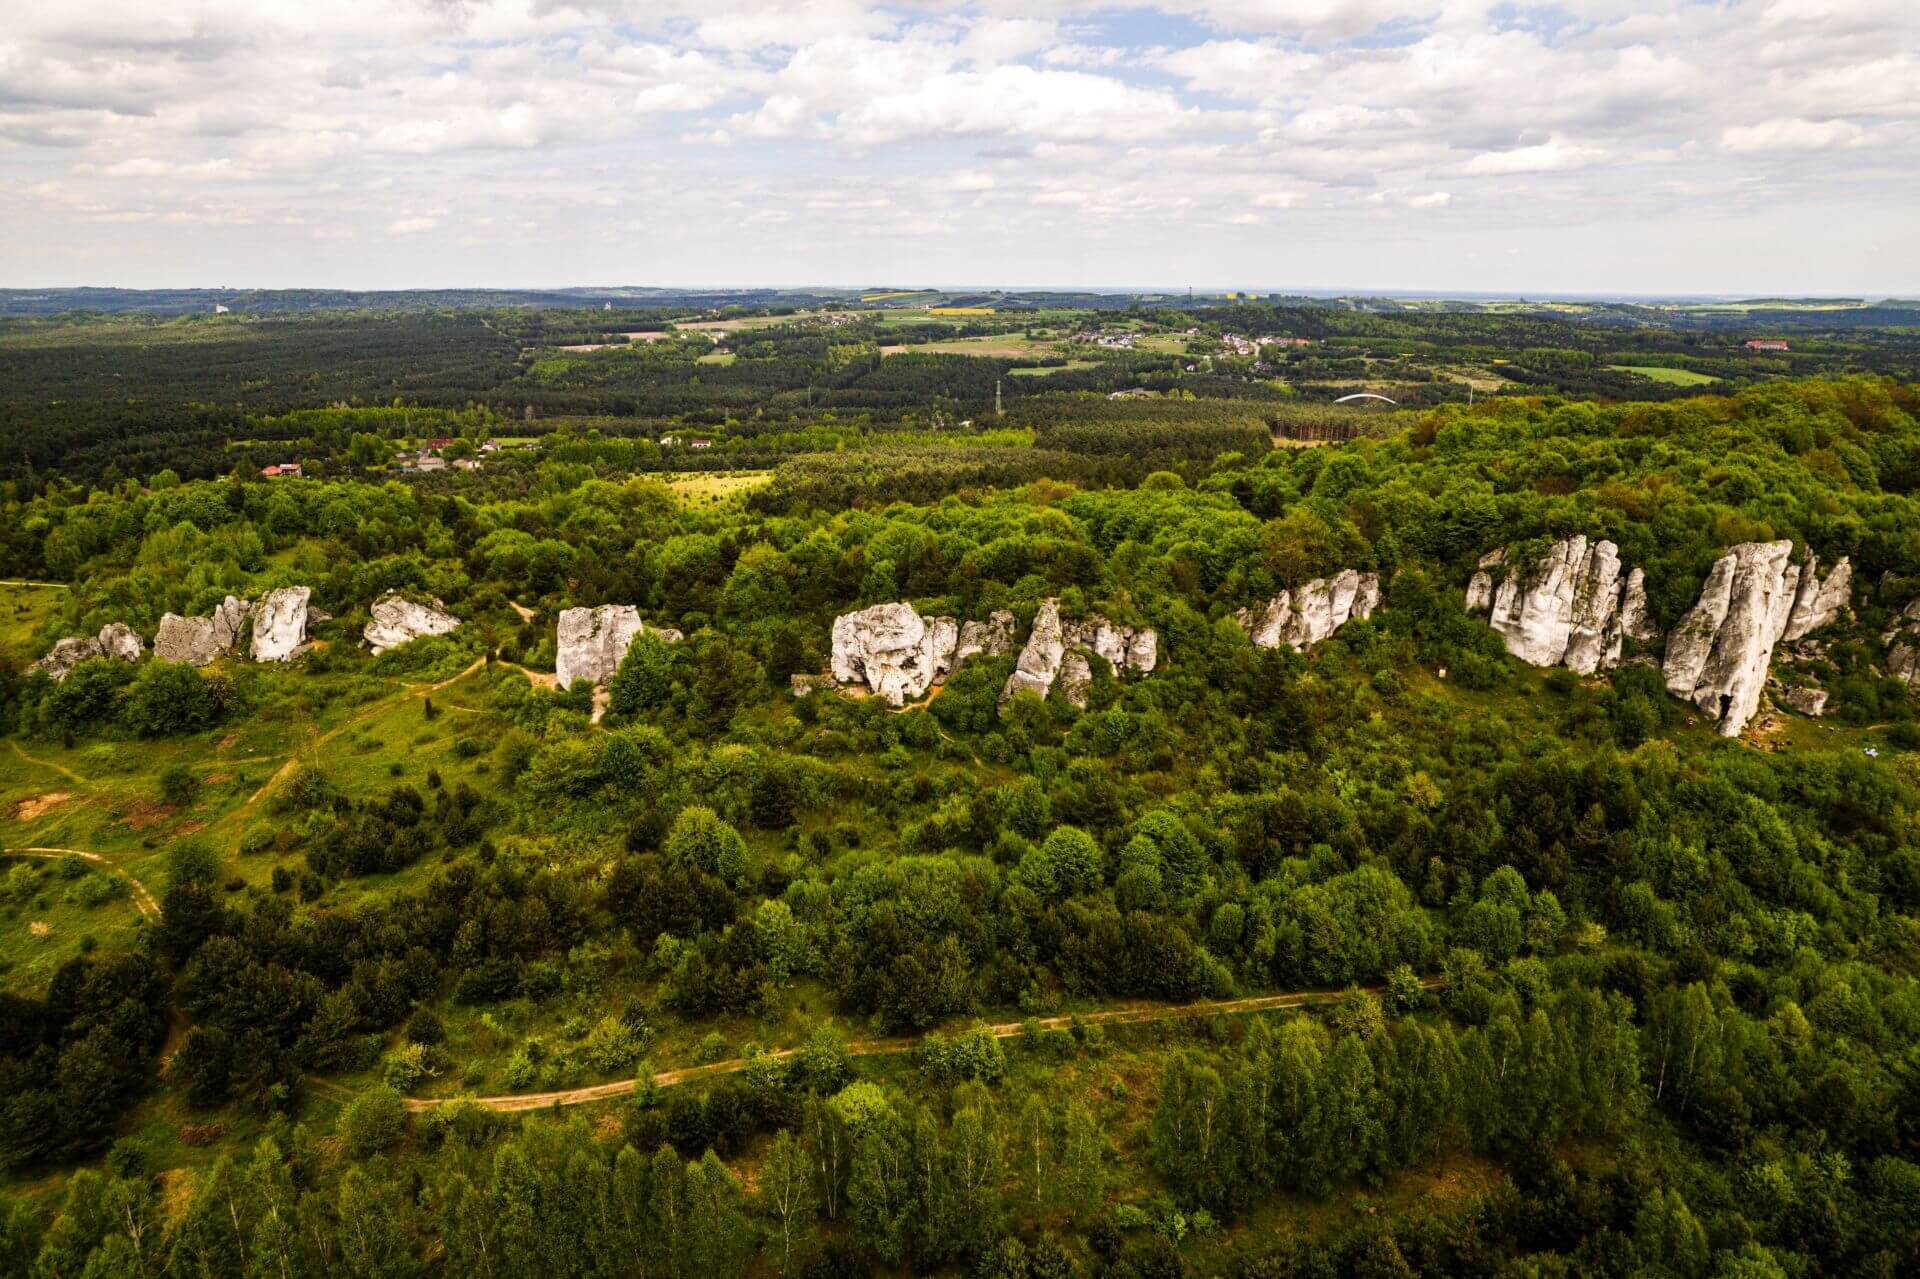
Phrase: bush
(169, 698)
(178, 786)
(373, 1121)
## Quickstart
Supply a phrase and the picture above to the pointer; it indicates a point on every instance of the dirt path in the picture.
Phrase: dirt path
(61, 769)
(143, 900)
(286, 770)
(1130, 1015)
(17, 581)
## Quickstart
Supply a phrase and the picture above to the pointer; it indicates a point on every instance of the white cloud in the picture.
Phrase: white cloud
(773, 138)
(1544, 157)
(1793, 135)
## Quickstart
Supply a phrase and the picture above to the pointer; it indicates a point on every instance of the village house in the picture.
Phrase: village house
(1766, 344)
(282, 471)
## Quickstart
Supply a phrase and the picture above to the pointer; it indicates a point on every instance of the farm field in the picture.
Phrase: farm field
(1659, 373)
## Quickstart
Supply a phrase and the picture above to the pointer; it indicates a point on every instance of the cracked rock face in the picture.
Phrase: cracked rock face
(197, 640)
(397, 620)
(1304, 617)
(993, 637)
(894, 651)
(116, 639)
(1055, 649)
(1719, 654)
(590, 643)
(280, 624)
(1576, 607)
(1817, 602)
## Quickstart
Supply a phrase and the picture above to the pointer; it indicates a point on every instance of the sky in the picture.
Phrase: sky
(1611, 146)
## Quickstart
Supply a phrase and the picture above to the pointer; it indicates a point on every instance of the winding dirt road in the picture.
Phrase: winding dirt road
(879, 1047)
(143, 900)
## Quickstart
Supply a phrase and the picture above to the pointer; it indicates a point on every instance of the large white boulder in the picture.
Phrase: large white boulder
(590, 643)
(280, 624)
(397, 620)
(1302, 618)
(894, 651)
(197, 640)
(1719, 654)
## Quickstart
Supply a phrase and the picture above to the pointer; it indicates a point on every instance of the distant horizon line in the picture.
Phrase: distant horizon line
(1113, 290)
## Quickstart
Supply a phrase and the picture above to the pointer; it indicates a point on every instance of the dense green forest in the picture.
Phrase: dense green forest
(1393, 956)
(103, 396)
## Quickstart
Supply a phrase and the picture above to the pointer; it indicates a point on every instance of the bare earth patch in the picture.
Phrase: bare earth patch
(29, 809)
(40, 930)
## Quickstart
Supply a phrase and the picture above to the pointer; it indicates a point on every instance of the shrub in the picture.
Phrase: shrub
(373, 1121)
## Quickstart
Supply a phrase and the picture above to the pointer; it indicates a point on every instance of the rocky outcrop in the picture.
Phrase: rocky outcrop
(397, 620)
(1903, 645)
(1817, 602)
(1039, 663)
(590, 643)
(280, 624)
(1306, 616)
(197, 640)
(993, 637)
(894, 651)
(1576, 607)
(1055, 650)
(116, 640)
(119, 640)
(1719, 654)
(1811, 702)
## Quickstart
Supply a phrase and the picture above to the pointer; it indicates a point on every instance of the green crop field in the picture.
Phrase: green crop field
(1659, 373)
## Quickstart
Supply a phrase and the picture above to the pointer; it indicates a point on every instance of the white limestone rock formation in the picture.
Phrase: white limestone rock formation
(1816, 601)
(196, 640)
(590, 643)
(993, 637)
(894, 651)
(1575, 607)
(1055, 649)
(1719, 654)
(1039, 663)
(116, 639)
(280, 624)
(397, 620)
(1302, 618)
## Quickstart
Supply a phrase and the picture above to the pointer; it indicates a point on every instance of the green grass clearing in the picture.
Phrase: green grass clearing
(1660, 373)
